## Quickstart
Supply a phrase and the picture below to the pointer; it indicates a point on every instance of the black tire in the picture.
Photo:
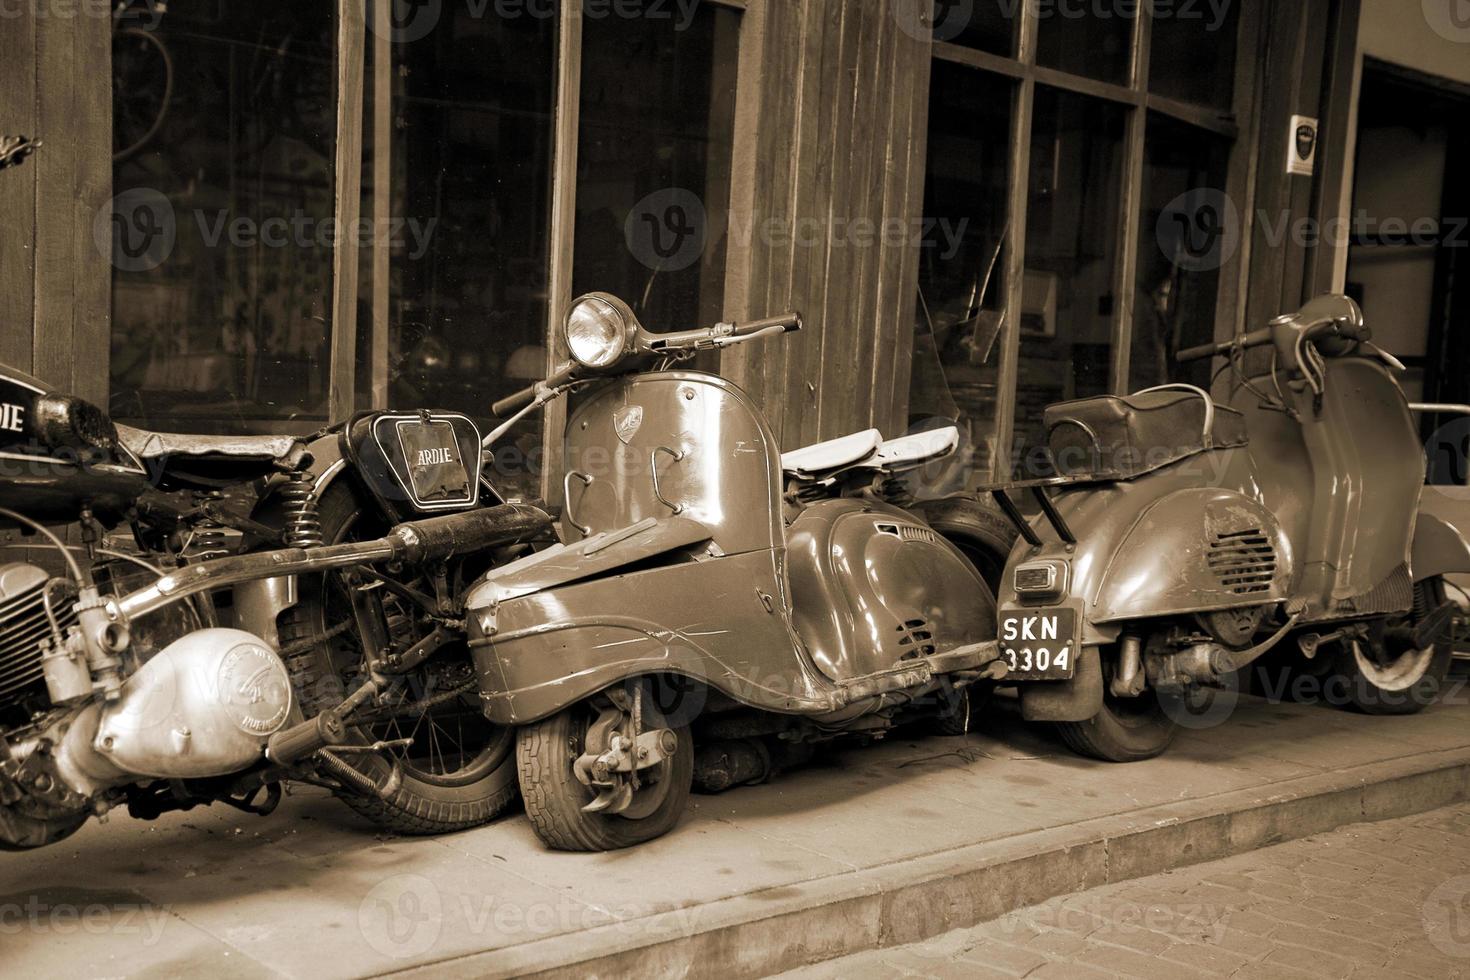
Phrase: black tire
(554, 797)
(425, 802)
(1384, 675)
(1125, 730)
(981, 533)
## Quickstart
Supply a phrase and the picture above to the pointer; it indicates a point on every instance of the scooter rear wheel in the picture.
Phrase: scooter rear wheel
(1125, 730)
(554, 797)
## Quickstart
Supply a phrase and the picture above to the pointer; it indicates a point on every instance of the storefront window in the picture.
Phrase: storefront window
(985, 25)
(1192, 54)
(1067, 315)
(1185, 234)
(1083, 39)
(962, 283)
(224, 130)
(474, 103)
(653, 169)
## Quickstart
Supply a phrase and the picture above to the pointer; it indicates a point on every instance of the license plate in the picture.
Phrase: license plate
(1039, 644)
(434, 464)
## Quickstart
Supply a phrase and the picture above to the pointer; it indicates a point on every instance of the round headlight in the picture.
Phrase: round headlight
(597, 332)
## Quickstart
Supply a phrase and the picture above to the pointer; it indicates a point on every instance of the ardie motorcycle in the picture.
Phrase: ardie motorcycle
(714, 608)
(1182, 541)
(323, 642)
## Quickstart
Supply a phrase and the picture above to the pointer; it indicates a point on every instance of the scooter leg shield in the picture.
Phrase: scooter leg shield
(1078, 699)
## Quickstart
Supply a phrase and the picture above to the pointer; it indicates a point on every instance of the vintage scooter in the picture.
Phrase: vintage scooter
(1181, 541)
(699, 622)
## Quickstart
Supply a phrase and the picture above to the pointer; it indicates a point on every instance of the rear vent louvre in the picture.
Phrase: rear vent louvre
(915, 640)
(1244, 562)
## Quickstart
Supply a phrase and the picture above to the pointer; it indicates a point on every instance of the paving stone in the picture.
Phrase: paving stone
(1283, 913)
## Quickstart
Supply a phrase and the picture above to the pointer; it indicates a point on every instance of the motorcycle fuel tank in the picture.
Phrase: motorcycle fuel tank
(872, 586)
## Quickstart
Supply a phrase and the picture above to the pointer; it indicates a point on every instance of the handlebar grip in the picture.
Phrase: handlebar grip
(1200, 353)
(511, 404)
(789, 323)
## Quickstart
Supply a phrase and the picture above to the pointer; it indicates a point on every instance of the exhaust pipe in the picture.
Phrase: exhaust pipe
(431, 539)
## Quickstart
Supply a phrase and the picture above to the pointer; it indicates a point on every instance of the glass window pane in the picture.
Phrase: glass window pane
(224, 123)
(1192, 53)
(653, 168)
(472, 165)
(1187, 232)
(962, 285)
(1095, 40)
(985, 25)
(1067, 314)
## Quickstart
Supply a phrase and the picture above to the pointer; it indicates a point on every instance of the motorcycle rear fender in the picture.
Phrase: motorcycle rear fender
(1439, 548)
(721, 621)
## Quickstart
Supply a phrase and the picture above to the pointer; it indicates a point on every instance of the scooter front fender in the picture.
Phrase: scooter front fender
(721, 621)
(1439, 549)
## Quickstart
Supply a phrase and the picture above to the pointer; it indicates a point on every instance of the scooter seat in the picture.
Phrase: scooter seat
(828, 457)
(911, 452)
(1122, 438)
(200, 462)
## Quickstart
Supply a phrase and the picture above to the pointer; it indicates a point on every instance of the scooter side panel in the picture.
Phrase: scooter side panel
(719, 621)
(693, 439)
(873, 586)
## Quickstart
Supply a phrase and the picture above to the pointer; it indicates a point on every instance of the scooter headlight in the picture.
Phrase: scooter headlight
(1040, 579)
(598, 331)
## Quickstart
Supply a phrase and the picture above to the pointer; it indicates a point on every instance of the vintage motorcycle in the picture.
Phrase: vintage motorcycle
(715, 608)
(1181, 541)
(217, 653)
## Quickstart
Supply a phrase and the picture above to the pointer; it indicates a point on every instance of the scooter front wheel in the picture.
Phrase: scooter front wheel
(555, 798)
(1387, 673)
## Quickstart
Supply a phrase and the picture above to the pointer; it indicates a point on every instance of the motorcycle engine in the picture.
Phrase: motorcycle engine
(23, 625)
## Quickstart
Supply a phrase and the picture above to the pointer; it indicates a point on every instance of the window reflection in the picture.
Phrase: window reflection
(653, 168)
(985, 25)
(472, 171)
(1181, 245)
(224, 139)
(1067, 314)
(1192, 54)
(1095, 40)
(962, 284)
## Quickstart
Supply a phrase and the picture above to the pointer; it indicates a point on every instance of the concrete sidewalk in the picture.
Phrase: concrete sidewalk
(871, 847)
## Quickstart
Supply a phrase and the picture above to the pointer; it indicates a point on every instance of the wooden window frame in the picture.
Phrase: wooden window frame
(1140, 102)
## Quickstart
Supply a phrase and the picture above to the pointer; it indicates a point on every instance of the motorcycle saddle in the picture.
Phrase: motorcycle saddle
(199, 462)
(1123, 437)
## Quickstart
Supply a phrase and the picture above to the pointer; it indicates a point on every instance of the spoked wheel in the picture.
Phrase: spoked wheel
(453, 767)
(1386, 673)
(648, 804)
(1125, 730)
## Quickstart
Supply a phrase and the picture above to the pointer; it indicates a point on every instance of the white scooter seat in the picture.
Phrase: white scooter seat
(911, 452)
(827, 457)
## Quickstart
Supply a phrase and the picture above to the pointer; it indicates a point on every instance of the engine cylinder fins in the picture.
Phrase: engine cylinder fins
(24, 627)
(303, 520)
